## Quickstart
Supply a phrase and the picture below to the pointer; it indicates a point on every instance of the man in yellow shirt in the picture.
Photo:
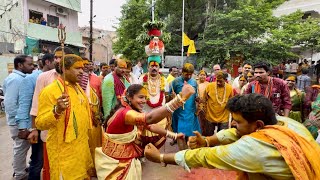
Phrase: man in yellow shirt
(216, 97)
(64, 111)
(261, 147)
(173, 73)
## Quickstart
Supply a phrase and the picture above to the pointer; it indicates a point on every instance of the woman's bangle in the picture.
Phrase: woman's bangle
(172, 135)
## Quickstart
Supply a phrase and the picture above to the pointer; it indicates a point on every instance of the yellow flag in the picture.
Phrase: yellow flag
(186, 40)
(192, 48)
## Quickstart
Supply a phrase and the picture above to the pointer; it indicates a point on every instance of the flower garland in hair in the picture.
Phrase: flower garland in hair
(162, 90)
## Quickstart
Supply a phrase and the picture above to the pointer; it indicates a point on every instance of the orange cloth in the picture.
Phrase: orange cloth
(268, 91)
(297, 151)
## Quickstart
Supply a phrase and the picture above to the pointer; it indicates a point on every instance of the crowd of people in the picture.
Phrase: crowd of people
(81, 125)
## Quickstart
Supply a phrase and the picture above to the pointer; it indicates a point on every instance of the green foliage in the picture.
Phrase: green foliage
(134, 14)
(222, 29)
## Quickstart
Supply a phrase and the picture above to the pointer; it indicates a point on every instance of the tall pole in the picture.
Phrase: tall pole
(91, 39)
(182, 33)
(152, 9)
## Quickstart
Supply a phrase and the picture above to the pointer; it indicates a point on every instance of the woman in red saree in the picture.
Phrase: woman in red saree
(118, 156)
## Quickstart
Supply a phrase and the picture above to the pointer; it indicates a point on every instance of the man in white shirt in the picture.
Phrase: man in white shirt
(137, 69)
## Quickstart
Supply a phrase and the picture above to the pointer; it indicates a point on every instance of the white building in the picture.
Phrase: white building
(309, 8)
(21, 27)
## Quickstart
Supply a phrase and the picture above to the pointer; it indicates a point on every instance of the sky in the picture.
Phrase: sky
(106, 11)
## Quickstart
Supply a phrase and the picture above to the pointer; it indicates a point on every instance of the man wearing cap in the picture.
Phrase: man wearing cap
(113, 87)
(64, 111)
(156, 85)
(217, 95)
(184, 119)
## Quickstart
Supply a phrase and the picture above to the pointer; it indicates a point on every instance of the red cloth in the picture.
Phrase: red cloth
(211, 78)
(95, 83)
(118, 85)
(46, 168)
(280, 94)
(117, 124)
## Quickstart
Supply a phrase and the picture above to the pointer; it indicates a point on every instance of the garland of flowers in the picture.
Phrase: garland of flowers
(162, 89)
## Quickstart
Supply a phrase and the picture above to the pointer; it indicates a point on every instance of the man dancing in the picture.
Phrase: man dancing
(155, 83)
(260, 146)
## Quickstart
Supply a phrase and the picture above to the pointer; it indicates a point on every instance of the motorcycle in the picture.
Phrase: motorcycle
(1, 99)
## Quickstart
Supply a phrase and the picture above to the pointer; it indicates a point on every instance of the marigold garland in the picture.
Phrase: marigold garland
(162, 90)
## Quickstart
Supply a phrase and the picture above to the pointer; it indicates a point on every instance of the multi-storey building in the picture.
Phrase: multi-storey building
(31, 26)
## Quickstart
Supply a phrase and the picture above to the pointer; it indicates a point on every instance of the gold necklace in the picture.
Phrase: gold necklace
(152, 86)
(224, 95)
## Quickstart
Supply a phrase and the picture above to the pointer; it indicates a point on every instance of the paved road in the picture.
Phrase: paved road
(150, 171)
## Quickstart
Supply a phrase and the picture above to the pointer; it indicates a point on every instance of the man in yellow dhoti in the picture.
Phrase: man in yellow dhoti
(64, 111)
(261, 146)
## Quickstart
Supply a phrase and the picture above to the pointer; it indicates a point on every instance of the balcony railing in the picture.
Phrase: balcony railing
(47, 33)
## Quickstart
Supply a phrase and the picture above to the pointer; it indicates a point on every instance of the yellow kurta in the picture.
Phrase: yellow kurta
(216, 112)
(248, 154)
(95, 134)
(69, 160)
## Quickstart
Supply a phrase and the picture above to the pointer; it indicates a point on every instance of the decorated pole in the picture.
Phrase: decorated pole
(62, 38)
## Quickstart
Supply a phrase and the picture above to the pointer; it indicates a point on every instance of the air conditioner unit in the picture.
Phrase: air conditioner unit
(61, 11)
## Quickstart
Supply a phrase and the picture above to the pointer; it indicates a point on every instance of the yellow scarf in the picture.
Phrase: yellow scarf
(298, 152)
(71, 127)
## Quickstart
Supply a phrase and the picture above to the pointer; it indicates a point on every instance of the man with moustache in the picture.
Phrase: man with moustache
(271, 87)
(113, 87)
(64, 111)
(261, 146)
(246, 68)
(156, 85)
(43, 80)
(184, 119)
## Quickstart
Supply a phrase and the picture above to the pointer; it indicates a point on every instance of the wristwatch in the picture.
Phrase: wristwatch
(32, 129)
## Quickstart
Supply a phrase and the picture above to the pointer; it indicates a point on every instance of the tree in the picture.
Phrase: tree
(252, 32)
(134, 14)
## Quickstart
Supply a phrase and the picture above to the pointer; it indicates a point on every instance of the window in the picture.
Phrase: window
(10, 24)
(53, 21)
(35, 16)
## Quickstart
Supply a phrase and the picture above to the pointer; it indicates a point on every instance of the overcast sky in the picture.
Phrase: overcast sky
(106, 11)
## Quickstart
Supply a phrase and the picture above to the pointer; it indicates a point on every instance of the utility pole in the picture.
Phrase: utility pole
(91, 39)
(182, 29)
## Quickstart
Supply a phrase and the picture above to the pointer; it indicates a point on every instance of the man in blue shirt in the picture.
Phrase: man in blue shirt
(22, 65)
(24, 120)
(184, 119)
(303, 81)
